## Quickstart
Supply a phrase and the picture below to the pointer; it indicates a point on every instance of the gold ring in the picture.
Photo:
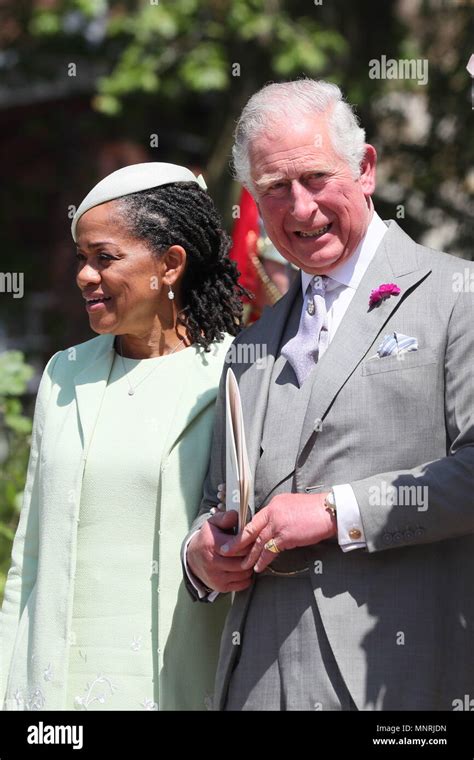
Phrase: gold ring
(272, 547)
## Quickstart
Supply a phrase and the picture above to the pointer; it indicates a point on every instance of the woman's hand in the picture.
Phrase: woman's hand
(204, 559)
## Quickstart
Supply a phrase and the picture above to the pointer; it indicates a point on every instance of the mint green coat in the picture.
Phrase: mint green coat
(38, 603)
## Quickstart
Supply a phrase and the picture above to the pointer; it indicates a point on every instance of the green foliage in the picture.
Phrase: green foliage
(45, 23)
(14, 374)
(196, 43)
(184, 57)
(199, 42)
(205, 68)
(15, 429)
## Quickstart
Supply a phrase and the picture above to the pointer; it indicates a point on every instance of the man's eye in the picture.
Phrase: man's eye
(276, 187)
(80, 256)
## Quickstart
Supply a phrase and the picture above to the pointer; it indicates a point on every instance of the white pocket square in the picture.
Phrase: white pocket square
(396, 343)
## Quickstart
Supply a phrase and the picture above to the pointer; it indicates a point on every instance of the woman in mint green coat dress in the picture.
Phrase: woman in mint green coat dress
(95, 615)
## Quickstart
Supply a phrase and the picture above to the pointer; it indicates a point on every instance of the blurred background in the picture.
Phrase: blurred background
(89, 86)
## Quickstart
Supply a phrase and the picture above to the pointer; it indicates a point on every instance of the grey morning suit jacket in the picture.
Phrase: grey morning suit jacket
(399, 615)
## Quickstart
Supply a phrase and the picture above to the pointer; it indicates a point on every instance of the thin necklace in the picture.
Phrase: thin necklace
(131, 389)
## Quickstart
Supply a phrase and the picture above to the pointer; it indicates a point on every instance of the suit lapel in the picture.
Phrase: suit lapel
(90, 384)
(394, 261)
(254, 382)
(199, 382)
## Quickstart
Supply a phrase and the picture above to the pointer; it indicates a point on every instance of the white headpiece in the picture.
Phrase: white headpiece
(132, 179)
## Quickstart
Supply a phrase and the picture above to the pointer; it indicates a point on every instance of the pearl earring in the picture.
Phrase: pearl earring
(170, 293)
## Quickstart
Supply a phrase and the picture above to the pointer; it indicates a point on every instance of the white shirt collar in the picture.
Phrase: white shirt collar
(350, 271)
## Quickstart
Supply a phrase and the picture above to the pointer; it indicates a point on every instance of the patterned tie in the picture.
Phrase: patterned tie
(312, 338)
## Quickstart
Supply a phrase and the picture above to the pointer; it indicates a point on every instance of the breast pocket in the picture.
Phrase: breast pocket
(398, 363)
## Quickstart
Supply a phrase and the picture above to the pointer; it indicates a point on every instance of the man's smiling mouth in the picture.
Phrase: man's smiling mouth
(313, 233)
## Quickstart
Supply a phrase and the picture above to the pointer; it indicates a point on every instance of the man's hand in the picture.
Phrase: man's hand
(291, 519)
(206, 561)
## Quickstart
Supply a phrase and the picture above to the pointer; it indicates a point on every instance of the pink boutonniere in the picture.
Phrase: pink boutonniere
(382, 293)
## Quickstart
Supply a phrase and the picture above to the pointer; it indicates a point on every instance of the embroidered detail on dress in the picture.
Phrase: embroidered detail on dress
(83, 703)
(148, 704)
(48, 673)
(36, 700)
(18, 697)
(136, 643)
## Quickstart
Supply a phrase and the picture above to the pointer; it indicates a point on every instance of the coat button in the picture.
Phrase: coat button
(355, 534)
(387, 538)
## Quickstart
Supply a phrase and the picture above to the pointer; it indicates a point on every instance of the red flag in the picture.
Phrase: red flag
(245, 235)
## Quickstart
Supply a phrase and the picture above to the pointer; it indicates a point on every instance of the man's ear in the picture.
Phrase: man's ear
(367, 170)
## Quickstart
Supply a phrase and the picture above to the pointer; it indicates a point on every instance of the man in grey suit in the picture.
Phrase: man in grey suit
(352, 579)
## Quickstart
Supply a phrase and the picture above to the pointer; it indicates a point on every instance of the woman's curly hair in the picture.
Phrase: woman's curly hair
(181, 213)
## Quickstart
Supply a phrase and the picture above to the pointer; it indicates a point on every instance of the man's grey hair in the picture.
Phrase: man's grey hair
(276, 105)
